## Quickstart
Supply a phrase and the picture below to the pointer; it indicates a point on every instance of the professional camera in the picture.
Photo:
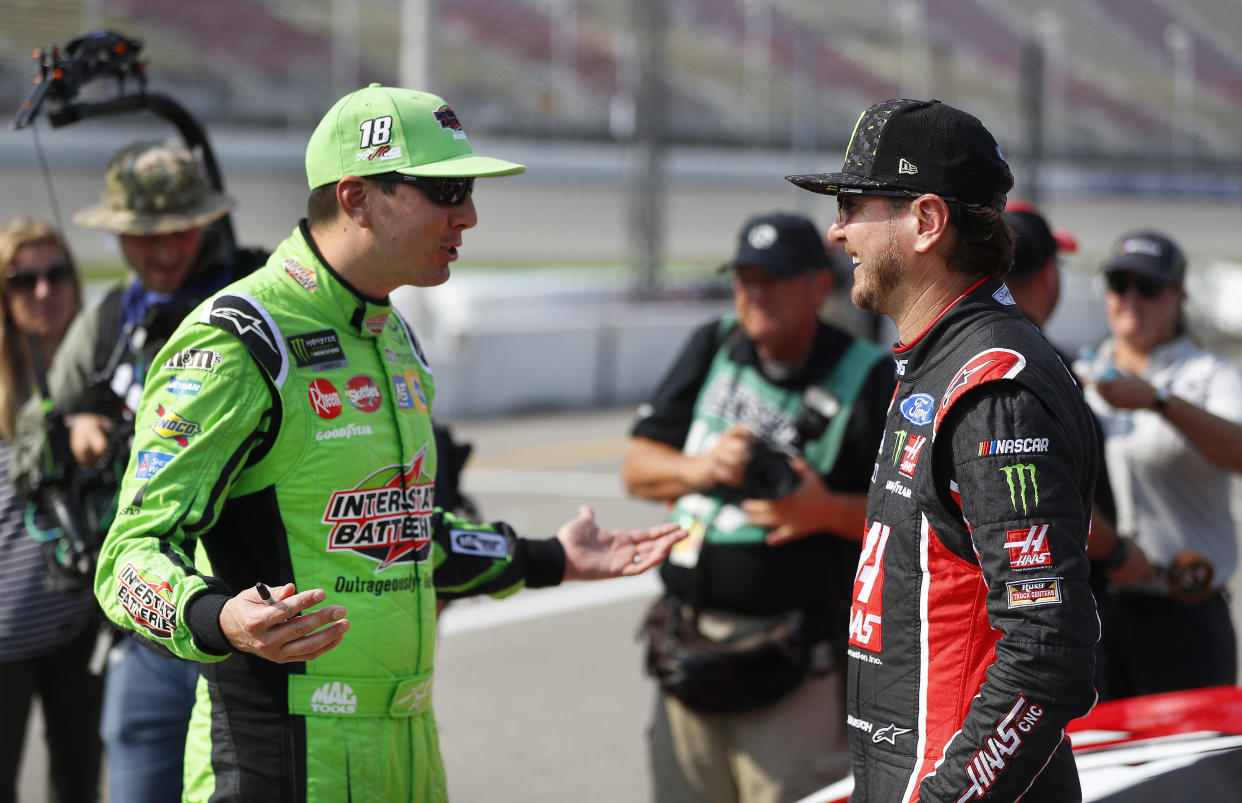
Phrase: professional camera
(768, 473)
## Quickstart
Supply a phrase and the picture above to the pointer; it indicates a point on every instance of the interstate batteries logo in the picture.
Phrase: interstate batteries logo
(147, 599)
(387, 517)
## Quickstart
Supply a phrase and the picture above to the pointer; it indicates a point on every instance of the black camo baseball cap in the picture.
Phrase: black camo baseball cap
(920, 146)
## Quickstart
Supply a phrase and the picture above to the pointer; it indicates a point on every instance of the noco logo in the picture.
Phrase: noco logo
(324, 398)
(1023, 487)
(170, 425)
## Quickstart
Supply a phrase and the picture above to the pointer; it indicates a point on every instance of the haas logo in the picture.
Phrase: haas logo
(1028, 549)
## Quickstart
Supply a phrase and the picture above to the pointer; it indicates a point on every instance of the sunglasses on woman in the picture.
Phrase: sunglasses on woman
(26, 280)
(441, 191)
(1119, 283)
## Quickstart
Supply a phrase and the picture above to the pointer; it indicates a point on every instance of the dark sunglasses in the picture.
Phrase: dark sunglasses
(1119, 283)
(29, 279)
(845, 193)
(442, 191)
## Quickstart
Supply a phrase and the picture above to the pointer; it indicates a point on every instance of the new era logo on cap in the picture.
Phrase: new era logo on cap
(919, 146)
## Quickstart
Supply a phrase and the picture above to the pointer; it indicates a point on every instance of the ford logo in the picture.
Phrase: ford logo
(918, 409)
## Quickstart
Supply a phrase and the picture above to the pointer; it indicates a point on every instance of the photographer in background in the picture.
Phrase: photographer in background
(46, 637)
(157, 201)
(748, 641)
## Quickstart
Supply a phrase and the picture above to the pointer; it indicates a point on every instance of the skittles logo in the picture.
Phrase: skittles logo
(363, 393)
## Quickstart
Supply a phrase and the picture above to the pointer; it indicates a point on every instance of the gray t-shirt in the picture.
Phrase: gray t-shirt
(1169, 496)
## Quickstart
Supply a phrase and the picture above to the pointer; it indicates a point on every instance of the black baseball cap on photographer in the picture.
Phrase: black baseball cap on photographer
(780, 243)
(1149, 254)
(919, 146)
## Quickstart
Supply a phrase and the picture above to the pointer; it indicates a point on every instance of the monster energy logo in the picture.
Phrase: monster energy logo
(899, 444)
(321, 349)
(1021, 470)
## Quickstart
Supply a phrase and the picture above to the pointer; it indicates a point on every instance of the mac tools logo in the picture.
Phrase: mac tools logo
(386, 517)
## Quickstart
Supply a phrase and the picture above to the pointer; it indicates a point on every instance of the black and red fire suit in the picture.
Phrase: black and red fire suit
(972, 625)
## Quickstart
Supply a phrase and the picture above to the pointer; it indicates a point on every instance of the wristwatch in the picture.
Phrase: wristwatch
(1161, 402)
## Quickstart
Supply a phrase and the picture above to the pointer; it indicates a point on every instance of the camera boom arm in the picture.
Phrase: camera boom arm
(61, 74)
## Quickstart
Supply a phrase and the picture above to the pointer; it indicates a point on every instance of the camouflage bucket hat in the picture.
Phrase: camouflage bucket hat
(154, 188)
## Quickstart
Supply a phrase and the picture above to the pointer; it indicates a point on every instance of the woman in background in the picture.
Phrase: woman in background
(1172, 418)
(46, 637)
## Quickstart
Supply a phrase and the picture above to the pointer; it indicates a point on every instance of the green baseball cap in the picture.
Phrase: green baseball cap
(383, 129)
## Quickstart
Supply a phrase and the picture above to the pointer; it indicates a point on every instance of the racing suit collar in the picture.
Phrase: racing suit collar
(362, 314)
(986, 295)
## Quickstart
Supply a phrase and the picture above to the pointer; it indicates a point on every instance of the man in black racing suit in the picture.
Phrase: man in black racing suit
(972, 625)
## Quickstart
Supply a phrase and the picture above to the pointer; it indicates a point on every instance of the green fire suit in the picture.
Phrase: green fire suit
(285, 428)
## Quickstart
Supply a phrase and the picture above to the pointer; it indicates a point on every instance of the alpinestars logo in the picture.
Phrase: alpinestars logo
(244, 324)
(986, 366)
(888, 733)
(387, 517)
(334, 698)
(1028, 549)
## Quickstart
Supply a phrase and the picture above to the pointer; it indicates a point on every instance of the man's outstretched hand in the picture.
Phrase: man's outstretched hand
(276, 631)
(595, 553)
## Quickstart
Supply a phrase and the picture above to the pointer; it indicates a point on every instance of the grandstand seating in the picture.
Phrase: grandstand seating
(266, 62)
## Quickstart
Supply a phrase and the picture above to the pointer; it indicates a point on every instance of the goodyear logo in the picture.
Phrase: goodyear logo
(172, 426)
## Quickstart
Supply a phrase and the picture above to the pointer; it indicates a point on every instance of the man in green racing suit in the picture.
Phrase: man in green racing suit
(286, 429)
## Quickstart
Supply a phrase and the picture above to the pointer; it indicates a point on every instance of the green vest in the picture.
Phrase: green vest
(735, 393)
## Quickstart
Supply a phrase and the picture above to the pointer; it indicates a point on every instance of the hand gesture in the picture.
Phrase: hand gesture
(595, 553)
(724, 463)
(88, 437)
(793, 516)
(274, 630)
(1126, 391)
